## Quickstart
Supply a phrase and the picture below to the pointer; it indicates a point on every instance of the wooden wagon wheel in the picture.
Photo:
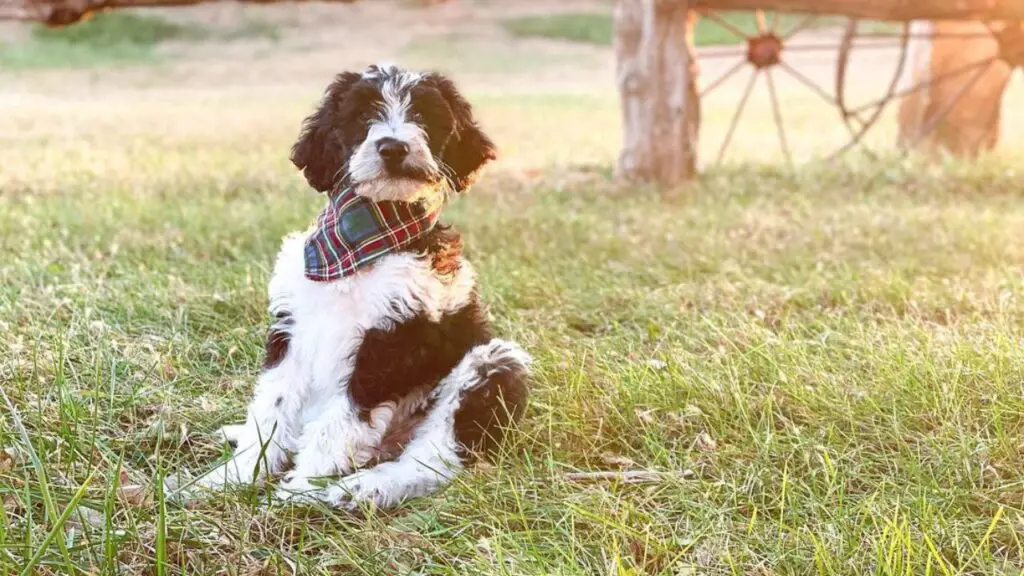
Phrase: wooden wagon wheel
(764, 51)
(966, 77)
(874, 112)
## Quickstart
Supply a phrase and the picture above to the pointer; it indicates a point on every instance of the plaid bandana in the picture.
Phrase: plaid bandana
(353, 231)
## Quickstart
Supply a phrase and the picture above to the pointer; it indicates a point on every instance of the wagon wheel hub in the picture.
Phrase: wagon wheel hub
(764, 51)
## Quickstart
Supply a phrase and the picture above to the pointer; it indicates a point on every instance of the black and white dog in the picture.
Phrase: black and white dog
(388, 379)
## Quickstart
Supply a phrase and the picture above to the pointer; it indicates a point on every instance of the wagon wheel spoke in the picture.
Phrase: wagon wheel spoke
(857, 133)
(948, 106)
(992, 113)
(800, 26)
(722, 53)
(721, 79)
(830, 47)
(923, 85)
(778, 115)
(798, 76)
(725, 24)
(856, 116)
(813, 86)
(736, 117)
(807, 82)
(762, 27)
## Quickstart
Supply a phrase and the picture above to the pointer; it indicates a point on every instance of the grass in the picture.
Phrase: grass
(824, 365)
(116, 28)
(586, 27)
(826, 368)
(596, 28)
(106, 39)
(35, 55)
(482, 56)
(115, 38)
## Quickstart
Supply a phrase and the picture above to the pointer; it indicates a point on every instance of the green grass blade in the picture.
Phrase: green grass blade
(57, 529)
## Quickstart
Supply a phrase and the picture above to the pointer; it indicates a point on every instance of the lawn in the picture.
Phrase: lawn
(822, 368)
(825, 369)
(596, 27)
(719, 29)
(115, 39)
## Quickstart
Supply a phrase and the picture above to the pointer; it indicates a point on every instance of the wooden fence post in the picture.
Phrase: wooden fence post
(657, 77)
(958, 105)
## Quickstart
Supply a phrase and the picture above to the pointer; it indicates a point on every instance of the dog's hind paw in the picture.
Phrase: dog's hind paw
(498, 355)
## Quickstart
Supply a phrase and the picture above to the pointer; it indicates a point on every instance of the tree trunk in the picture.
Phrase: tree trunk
(958, 105)
(657, 77)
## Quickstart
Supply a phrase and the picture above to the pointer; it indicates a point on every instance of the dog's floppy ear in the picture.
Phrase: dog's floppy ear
(319, 151)
(468, 148)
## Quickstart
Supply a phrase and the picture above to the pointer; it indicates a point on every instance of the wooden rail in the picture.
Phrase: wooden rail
(900, 10)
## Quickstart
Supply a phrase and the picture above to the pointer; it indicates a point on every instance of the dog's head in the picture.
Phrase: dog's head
(395, 134)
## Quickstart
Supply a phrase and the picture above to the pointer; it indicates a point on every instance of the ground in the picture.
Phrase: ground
(820, 368)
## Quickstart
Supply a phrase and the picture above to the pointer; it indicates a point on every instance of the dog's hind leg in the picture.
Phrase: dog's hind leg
(492, 374)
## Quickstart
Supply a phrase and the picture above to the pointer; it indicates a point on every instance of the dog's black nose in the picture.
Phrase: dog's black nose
(392, 151)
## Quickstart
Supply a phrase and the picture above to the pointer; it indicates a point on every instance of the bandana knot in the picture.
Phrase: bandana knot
(353, 231)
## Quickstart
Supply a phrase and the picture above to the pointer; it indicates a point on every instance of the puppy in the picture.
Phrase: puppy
(386, 380)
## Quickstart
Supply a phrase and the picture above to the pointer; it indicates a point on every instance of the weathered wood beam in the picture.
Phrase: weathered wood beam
(899, 10)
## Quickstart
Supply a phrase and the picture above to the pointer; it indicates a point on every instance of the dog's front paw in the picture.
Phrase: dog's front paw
(231, 433)
(366, 488)
(228, 474)
(181, 489)
(298, 490)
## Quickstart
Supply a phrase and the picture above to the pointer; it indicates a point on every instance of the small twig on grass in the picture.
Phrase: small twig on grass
(625, 476)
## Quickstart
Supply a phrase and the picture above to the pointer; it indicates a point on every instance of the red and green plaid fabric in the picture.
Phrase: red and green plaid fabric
(353, 231)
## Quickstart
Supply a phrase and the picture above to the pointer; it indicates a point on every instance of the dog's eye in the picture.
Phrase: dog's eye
(416, 117)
